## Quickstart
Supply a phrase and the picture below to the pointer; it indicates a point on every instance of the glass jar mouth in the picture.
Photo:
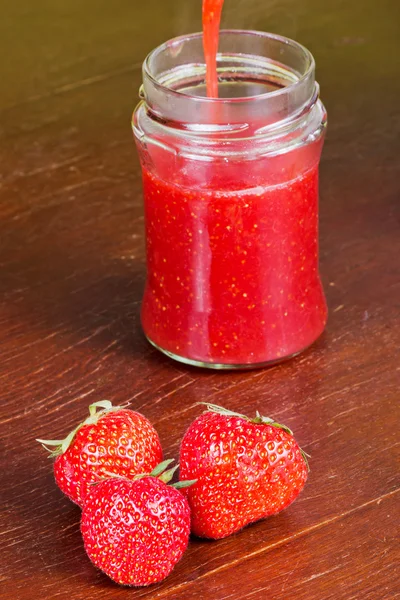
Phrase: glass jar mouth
(173, 47)
(279, 70)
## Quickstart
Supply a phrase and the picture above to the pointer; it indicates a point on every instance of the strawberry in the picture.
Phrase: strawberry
(114, 439)
(246, 469)
(136, 531)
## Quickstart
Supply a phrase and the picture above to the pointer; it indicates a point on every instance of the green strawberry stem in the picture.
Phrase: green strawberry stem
(166, 475)
(305, 458)
(183, 484)
(160, 468)
(160, 471)
(58, 447)
(259, 419)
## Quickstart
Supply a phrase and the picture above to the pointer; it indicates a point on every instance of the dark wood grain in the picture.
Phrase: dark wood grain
(72, 274)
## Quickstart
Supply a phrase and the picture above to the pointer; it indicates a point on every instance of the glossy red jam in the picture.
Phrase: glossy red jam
(232, 269)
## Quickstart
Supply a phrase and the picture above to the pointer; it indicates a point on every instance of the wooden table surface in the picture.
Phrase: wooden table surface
(72, 274)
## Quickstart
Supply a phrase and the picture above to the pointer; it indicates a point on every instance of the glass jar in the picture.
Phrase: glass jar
(231, 201)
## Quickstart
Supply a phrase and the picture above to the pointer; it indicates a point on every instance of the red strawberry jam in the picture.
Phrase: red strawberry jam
(232, 270)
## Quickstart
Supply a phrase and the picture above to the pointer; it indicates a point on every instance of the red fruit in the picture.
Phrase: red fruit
(113, 440)
(246, 469)
(136, 531)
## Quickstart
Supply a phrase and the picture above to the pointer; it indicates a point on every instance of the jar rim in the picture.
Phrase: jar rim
(176, 41)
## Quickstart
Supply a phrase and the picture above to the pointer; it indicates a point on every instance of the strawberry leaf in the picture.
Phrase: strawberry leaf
(100, 404)
(168, 475)
(222, 411)
(183, 484)
(161, 467)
